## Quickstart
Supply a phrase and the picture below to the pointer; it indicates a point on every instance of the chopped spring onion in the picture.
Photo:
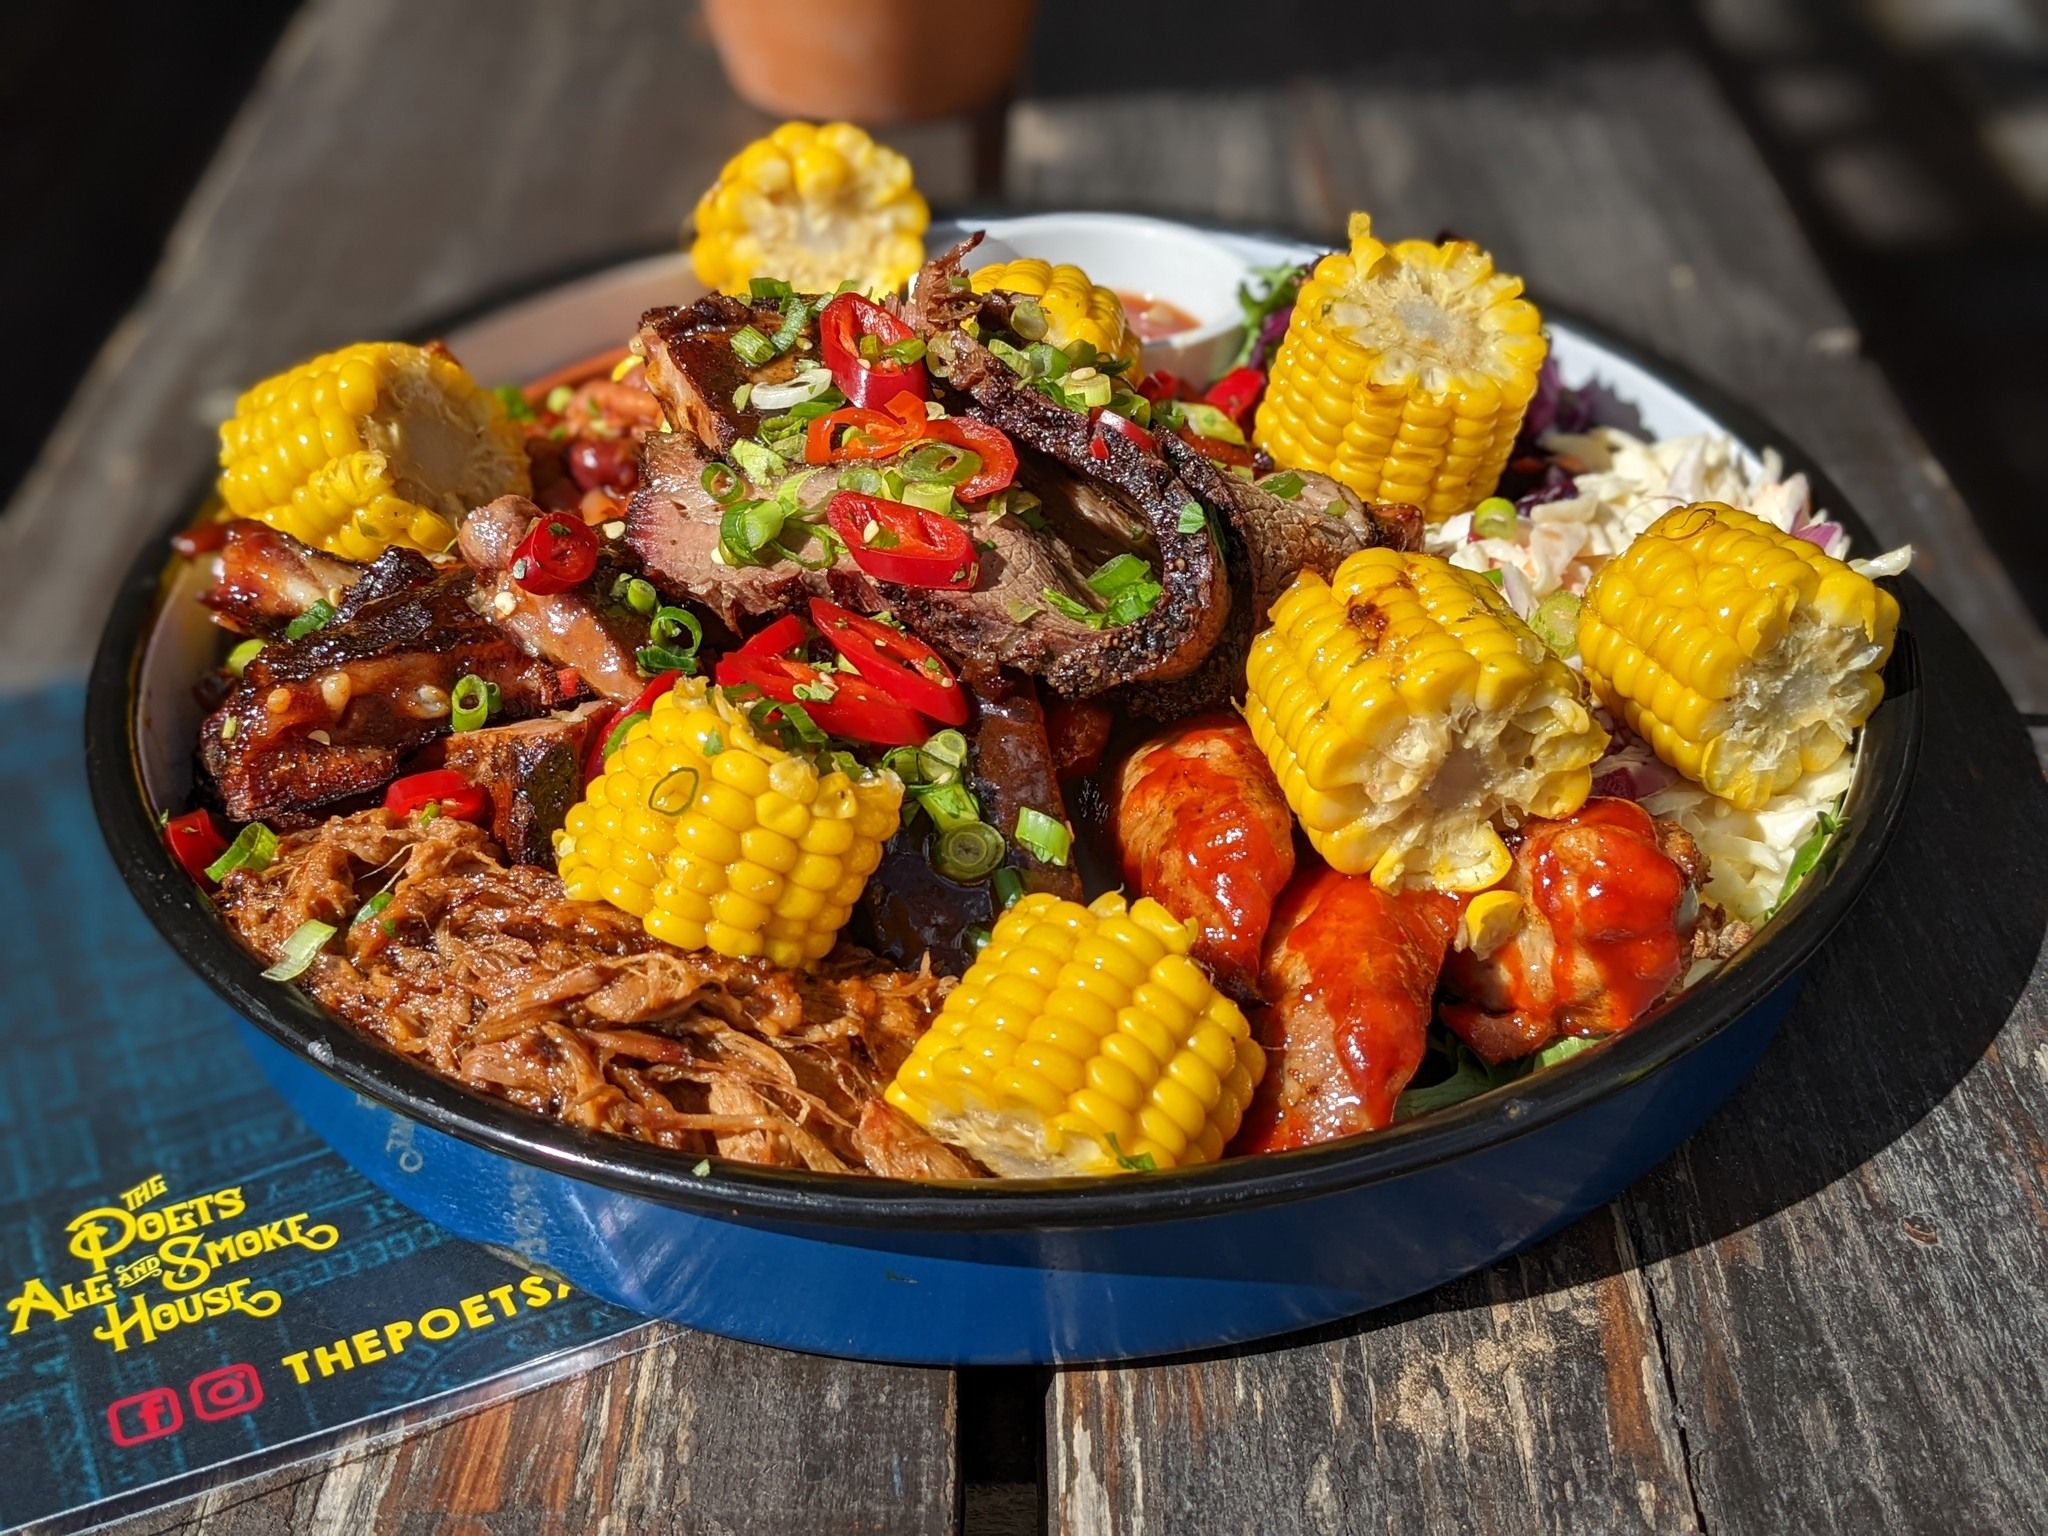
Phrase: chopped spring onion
(768, 290)
(1142, 1162)
(559, 398)
(746, 529)
(864, 478)
(315, 617)
(1027, 319)
(932, 497)
(307, 940)
(637, 593)
(949, 805)
(253, 848)
(721, 484)
(1286, 485)
(675, 791)
(1192, 518)
(939, 464)
(796, 315)
(968, 852)
(1494, 518)
(1118, 572)
(372, 907)
(943, 756)
(240, 657)
(713, 744)
(1016, 361)
(801, 390)
(742, 395)
(1023, 612)
(977, 939)
(1556, 622)
(1208, 421)
(1079, 612)
(760, 464)
(471, 702)
(513, 398)
(661, 653)
(752, 348)
(1090, 389)
(907, 351)
(1805, 859)
(1051, 840)
(1008, 887)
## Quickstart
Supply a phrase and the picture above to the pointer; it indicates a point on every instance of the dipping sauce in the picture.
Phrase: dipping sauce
(1155, 319)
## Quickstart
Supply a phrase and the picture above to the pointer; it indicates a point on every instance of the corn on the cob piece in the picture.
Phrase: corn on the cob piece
(1744, 656)
(1405, 372)
(1403, 706)
(815, 206)
(716, 839)
(378, 444)
(1083, 1039)
(1076, 309)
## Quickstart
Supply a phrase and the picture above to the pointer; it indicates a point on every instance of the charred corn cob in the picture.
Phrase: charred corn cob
(378, 444)
(1081, 1040)
(815, 206)
(716, 839)
(1405, 372)
(1744, 656)
(1403, 706)
(1075, 308)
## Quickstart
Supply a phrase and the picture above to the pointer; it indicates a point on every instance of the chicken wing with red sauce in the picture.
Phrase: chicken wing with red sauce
(1609, 901)
(1202, 828)
(1353, 969)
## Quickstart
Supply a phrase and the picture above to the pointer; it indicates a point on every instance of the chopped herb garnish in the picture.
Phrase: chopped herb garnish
(307, 940)
(713, 743)
(1805, 859)
(760, 464)
(253, 848)
(768, 290)
(663, 652)
(1081, 613)
(752, 348)
(1048, 838)
(315, 617)
(1286, 485)
(1143, 1162)
(471, 702)
(674, 791)
(373, 906)
(1118, 572)
(1022, 612)
(513, 398)
(1192, 518)
(701, 1167)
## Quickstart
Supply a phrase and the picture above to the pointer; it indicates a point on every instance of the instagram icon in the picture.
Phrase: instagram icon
(226, 1392)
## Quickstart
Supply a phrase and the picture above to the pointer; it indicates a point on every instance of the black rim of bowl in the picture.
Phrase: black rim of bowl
(185, 918)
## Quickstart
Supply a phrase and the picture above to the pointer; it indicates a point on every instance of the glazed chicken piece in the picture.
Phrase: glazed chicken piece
(1202, 828)
(1609, 902)
(1353, 968)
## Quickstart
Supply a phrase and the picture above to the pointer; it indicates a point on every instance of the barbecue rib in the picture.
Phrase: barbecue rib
(337, 712)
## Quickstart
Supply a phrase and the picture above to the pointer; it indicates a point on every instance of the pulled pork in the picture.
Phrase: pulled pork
(493, 977)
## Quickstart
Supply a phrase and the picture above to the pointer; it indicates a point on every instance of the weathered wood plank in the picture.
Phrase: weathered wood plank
(693, 1434)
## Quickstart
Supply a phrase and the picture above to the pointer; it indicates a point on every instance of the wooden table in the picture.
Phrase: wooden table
(1827, 1312)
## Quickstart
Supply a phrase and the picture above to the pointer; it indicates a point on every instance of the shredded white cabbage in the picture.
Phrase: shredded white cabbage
(1622, 485)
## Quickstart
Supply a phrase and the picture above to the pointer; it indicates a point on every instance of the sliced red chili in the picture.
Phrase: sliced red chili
(559, 552)
(779, 638)
(1229, 455)
(871, 382)
(444, 787)
(874, 435)
(1237, 393)
(896, 542)
(1160, 385)
(903, 665)
(1106, 420)
(605, 724)
(194, 841)
(998, 457)
(855, 708)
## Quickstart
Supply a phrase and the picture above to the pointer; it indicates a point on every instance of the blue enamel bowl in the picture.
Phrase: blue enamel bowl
(988, 1274)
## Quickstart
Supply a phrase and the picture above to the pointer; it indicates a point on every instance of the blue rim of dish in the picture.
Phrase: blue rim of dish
(1888, 750)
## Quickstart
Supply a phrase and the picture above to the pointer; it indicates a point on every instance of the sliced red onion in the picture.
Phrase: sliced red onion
(1820, 534)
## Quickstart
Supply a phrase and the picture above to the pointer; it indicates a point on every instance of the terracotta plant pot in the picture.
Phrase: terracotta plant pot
(870, 61)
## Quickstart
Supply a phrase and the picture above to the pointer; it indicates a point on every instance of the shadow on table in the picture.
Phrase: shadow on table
(1905, 1000)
